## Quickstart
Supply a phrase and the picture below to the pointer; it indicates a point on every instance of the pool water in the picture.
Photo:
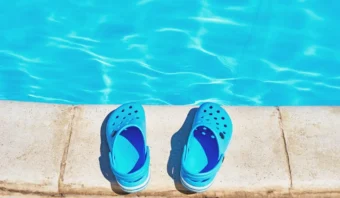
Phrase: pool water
(235, 52)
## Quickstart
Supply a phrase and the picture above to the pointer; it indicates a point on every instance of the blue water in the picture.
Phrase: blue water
(235, 52)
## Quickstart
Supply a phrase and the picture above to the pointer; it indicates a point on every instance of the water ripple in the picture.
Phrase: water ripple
(283, 69)
(143, 2)
(217, 20)
(20, 57)
(328, 86)
(313, 15)
(167, 29)
(103, 62)
(61, 40)
(229, 52)
(129, 37)
(74, 36)
(48, 99)
(52, 19)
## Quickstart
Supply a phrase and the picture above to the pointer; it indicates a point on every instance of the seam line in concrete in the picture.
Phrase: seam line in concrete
(304, 193)
(66, 148)
(28, 192)
(285, 145)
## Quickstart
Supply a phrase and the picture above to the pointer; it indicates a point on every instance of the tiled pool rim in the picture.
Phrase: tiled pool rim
(49, 149)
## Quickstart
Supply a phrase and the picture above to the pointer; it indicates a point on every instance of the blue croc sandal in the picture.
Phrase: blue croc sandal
(129, 153)
(204, 152)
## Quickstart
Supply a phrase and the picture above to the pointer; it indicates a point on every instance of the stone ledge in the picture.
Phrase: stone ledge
(255, 164)
(33, 138)
(229, 194)
(313, 144)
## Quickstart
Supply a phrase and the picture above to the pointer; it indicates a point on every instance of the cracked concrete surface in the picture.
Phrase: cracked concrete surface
(313, 136)
(285, 145)
(67, 145)
(58, 150)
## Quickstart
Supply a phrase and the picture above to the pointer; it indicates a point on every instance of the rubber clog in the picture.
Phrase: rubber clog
(204, 151)
(129, 154)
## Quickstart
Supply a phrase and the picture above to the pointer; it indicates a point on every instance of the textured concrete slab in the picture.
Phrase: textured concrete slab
(32, 142)
(238, 195)
(18, 195)
(33, 137)
(255, 160)
(313, 142)
(87, 166)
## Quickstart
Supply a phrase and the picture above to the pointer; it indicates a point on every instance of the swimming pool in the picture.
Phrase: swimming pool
(236, 52)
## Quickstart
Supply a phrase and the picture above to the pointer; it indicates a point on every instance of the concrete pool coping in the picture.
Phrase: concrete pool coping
(53, 150)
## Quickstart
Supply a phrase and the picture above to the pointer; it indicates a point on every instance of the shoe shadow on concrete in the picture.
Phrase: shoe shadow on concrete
(178, 140)
(104, 159)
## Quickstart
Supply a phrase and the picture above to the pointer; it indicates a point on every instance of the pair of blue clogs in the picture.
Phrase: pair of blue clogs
(202, 156)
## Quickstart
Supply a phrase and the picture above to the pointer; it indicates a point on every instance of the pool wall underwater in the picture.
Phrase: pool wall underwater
(238, 52)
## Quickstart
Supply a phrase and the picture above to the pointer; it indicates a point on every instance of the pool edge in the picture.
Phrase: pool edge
(299, 129)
